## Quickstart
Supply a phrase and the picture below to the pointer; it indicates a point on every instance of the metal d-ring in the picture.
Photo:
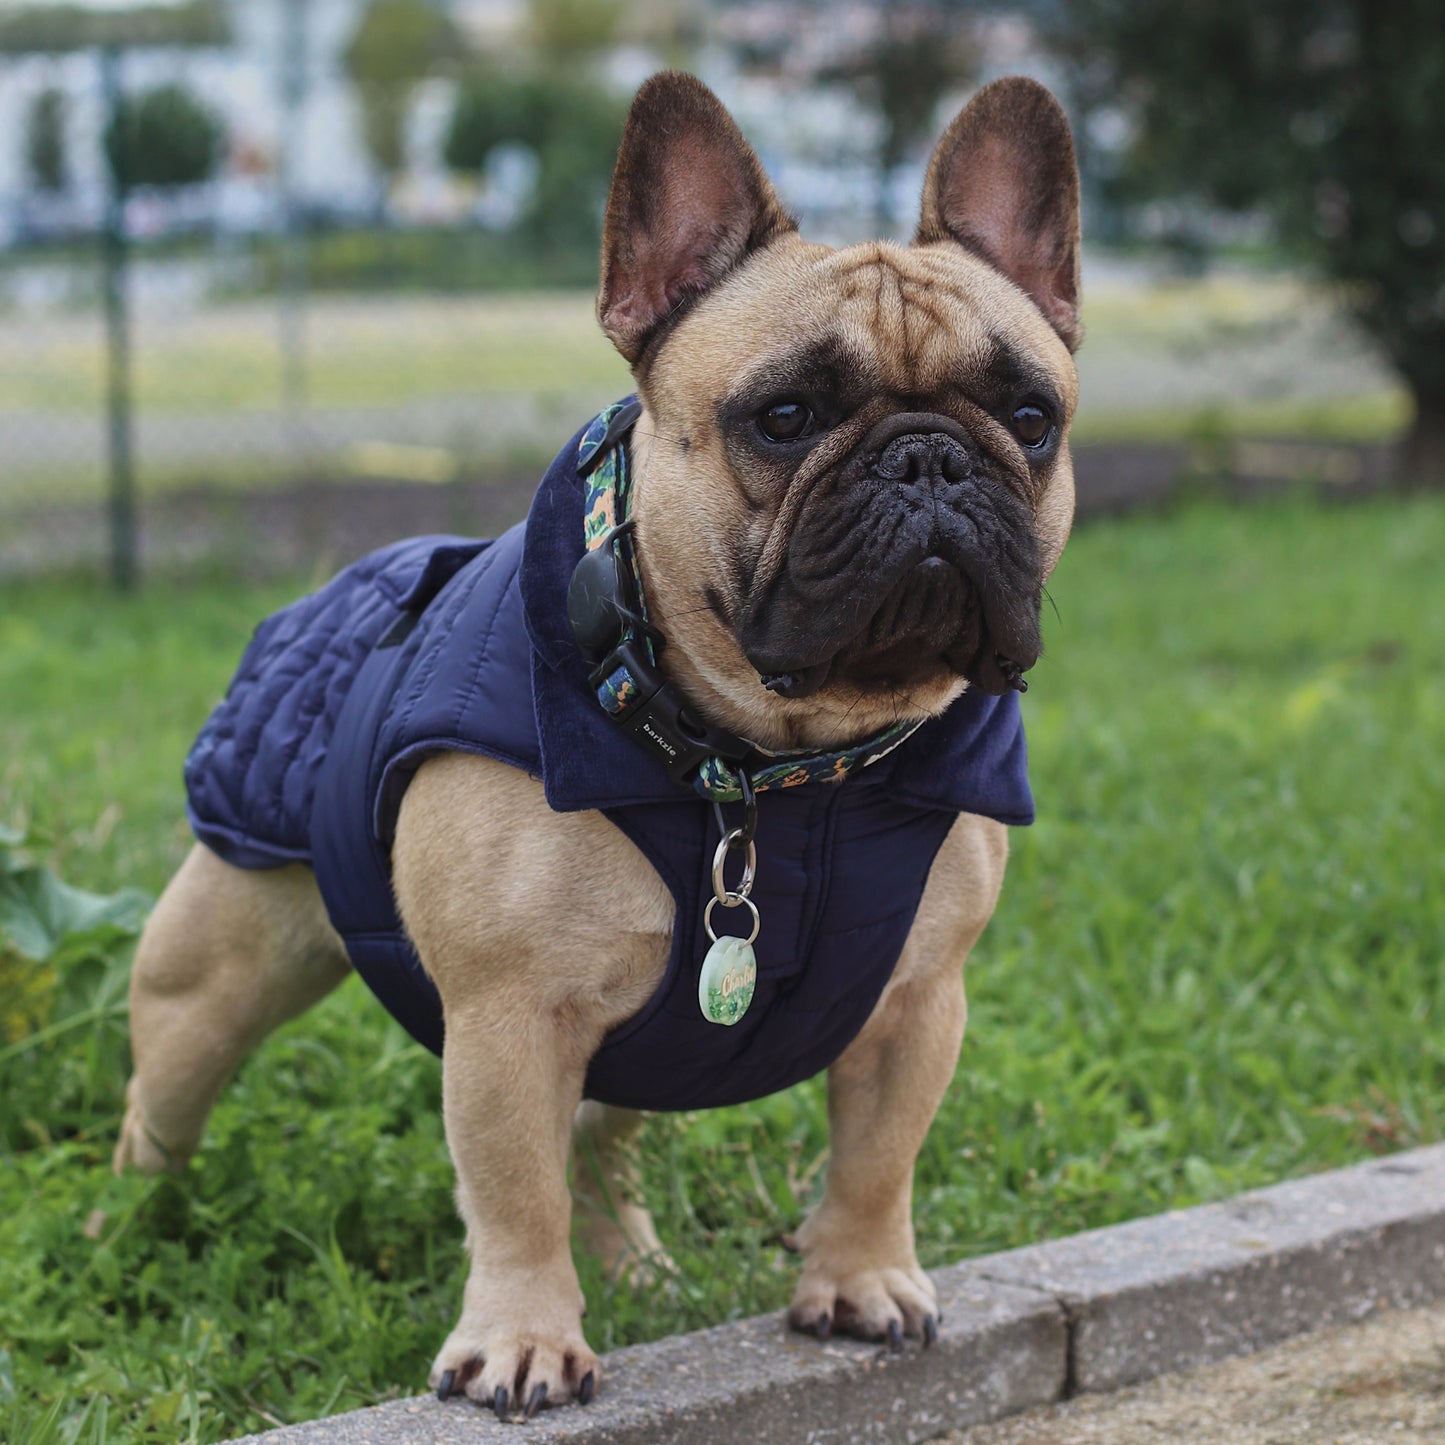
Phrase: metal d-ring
(731, 900)
(731, 897)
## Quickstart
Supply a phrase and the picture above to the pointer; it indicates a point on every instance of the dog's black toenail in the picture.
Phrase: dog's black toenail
(587, 1388)
(895, 1336)
(500, 1401)
(825, 1325)
(534, 1400)
(930, 1332)
(444, 1385)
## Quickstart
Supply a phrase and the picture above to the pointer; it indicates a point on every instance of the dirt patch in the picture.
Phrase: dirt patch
(1379, 1383)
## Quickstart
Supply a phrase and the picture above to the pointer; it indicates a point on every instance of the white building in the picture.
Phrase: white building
(241, 82)
(768, 60)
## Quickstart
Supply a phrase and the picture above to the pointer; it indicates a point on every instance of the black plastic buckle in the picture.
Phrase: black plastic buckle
(661, 720)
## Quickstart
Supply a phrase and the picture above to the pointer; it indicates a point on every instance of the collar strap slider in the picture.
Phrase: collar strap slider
(595, 449)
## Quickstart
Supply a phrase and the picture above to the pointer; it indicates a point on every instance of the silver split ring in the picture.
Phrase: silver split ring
(731, 901)
(731, 897)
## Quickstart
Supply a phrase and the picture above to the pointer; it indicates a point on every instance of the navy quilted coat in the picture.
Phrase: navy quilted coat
(444, 643)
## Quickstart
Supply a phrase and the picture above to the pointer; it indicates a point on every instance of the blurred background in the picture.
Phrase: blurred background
(280, 279)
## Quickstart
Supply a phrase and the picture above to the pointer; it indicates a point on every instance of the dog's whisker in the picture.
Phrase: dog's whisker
(1059, 616)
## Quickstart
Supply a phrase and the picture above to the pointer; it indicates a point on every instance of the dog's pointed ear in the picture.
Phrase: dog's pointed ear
(689, 201)
(1003, 182)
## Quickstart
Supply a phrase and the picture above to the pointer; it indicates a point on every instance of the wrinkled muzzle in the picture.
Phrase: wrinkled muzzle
(912, 559)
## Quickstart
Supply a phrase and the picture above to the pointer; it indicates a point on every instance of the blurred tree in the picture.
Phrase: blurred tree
(925, 49)
(163, 137)
(397, 43)
(1329, 115)
(565, 31)
(570, 125)
(45, 140)
(672, 30)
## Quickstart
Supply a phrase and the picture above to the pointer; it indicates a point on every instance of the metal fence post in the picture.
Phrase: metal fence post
(292, 277)
(115, 252)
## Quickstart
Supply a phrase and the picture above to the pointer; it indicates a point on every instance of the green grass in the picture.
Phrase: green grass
(1372, 416)
(1217, 964)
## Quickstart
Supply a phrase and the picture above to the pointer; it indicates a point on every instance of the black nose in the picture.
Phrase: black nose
(929, 459)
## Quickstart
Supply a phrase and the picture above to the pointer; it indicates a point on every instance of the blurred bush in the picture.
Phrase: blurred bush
(163, 137)
(434, 259)
(45, 140)
(568, 123)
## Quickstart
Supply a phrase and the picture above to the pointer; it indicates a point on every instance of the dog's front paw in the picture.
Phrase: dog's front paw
(870, 1304)
(516, 1370)
(854, 1283)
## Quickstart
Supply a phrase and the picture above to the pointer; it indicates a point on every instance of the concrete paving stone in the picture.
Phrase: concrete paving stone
(1177, 1290)
(1000, 1350)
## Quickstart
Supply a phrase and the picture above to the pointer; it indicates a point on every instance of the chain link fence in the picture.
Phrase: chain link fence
(233, 391)
(227, 313)
(244, 255)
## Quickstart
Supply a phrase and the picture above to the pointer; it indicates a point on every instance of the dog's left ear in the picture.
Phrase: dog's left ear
(689, 201)
(1003, 183)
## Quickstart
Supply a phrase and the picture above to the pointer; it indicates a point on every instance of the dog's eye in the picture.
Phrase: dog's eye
(787, 421)
(1031, 425)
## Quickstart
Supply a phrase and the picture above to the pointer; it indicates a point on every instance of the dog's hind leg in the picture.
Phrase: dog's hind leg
(227, 955)
(612, 1222)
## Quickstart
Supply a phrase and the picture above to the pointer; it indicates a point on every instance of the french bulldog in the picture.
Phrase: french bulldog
(848, 478)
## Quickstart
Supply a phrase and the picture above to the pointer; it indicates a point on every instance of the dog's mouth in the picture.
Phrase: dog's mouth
(915, 566)
(932, 623)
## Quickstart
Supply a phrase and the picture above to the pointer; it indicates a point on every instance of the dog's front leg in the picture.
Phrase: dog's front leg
(542, 931)
(860, 1270)
(510, 1082)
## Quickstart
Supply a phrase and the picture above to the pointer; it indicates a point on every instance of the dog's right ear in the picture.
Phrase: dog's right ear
(689, 201)
(1003, 183)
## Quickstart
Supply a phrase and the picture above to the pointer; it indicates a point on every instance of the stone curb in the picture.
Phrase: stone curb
(1027, 1327)
(1159, 1295)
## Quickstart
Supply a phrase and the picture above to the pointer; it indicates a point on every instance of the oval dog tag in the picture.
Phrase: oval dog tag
(729, 976)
